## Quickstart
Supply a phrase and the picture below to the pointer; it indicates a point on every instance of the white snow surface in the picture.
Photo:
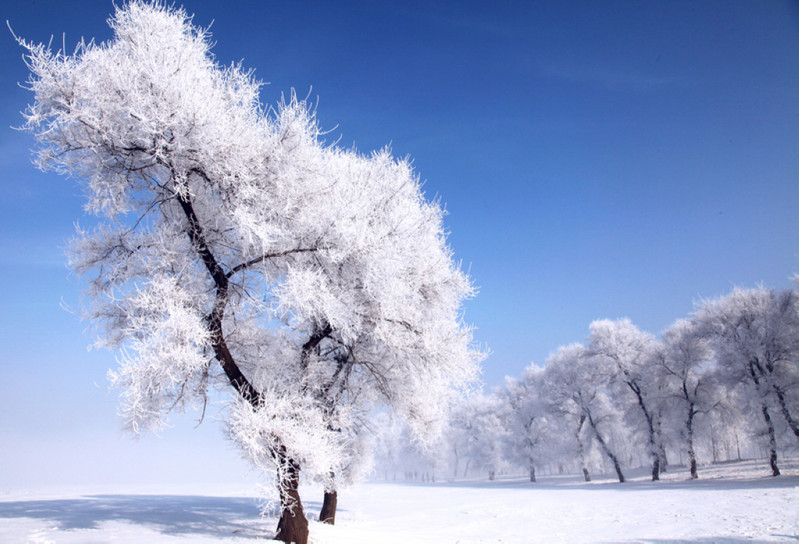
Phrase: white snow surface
(734, 502)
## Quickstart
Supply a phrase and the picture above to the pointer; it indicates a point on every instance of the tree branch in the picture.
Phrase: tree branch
(266, 256)
(214, 320)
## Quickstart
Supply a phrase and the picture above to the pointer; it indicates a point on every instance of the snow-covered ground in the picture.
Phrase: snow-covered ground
(733, 502)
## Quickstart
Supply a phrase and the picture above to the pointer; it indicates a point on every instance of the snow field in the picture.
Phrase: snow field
(731, 503)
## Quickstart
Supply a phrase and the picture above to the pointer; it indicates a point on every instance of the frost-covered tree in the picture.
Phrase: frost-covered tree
(686, 374)
(627, 353)
(477, 430)
(577, 386)
(524, 408)
(458, 437)
(397, 452)
(754, 334)
(234, 249)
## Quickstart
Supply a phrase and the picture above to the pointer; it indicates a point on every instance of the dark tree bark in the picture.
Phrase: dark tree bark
(785, 412)
(755, 371)
(329, 504)
(664, 459)
(772, 441)
(606, 449)
(648, 416)
(532, 473)
(655, 468)
(689, 426)
(293, 525)
(581, 449)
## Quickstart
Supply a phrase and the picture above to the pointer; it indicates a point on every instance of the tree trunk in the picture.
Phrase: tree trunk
(689, 428)
(491, 475)
(785, 412)
(293, 525)
(664, 460)
(655, 467)
(616, 467)
(772, 442)
(532, 473)
(772, 439)
(581, 449)
(713, 447)
(329, 504)
(606, 449)
(648, 416)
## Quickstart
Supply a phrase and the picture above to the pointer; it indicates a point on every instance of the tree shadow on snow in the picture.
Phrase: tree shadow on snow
(168, 514)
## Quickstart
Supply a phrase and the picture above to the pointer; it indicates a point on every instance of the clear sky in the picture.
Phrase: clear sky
(597, 159)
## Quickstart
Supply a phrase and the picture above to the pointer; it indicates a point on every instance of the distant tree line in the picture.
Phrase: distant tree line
(721, 384)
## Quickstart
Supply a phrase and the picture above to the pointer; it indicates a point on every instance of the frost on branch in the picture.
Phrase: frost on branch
(260, 432)
(166, 356)
(236, 249)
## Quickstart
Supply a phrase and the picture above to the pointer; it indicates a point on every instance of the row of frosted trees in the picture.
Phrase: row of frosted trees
(723, 381)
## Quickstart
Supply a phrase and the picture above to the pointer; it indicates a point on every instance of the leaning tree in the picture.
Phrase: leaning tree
(754, 334)
(235, 250)
(686, 375)
(627, 353)
(577, 389)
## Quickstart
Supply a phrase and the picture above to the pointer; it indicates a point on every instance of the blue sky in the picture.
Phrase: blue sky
(597, 159)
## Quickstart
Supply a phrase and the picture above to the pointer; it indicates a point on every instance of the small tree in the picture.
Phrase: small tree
(318, 279)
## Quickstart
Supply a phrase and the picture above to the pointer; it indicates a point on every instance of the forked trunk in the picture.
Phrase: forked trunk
(772, 439)
(329, 504)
